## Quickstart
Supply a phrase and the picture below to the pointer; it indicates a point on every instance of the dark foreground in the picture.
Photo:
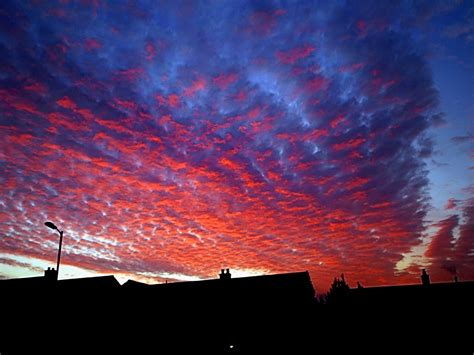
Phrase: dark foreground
(227, 318)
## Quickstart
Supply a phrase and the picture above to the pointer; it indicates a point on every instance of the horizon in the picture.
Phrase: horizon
(121, 280)
(171, 140)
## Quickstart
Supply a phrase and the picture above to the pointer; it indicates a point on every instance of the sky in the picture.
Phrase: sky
(170, 139)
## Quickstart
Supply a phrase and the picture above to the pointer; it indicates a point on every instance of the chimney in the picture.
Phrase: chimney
(425, 278)
(226, 275)
(50, 274)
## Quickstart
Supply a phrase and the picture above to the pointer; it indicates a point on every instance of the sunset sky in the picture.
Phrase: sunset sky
(170, 139)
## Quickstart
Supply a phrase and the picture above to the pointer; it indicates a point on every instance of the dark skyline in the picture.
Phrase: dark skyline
(172, 139)
(267, 314)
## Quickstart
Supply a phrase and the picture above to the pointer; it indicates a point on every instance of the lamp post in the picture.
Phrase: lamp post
(52, 226)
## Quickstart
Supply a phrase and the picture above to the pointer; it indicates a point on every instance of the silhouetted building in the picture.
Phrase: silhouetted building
(49, 282)
(268, 288)
(246, 314)
(426, 316)
(259, 314)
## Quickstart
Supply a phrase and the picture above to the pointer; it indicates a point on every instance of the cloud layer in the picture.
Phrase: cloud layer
(451, 255)
(182, 138)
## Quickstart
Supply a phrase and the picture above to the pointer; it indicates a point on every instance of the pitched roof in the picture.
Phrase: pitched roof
(108, 281)
(36, 282)
(436, 287)
(295, 284)
(134, 284)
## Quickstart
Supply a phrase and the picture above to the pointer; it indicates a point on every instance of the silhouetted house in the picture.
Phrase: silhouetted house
(34, 308)
(283, 289)
(261, 313)
(425, 316)
(49, 282)
(246, 314)
(427, 294)
(280, 288)
(96, 283)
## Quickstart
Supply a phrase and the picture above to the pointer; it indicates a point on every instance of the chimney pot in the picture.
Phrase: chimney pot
(226, 275)
(425, 278)
(51, 274)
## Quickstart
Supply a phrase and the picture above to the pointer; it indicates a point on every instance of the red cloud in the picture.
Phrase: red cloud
(224, 80)
(336, 121)
(92, 44)
(441, 244)
(59, 120)
(126, 104)
(316, 134)
(196, 86)
(241, 96)
(357, 182)
(448, 255)
(350, 144)
(451, 204)
(316, 84)
(150, 51)
(131, 74)
(254, 113)
(297, 161)
(263, 23)
(351, 68)
(14, 100)
(37, 88)
(66, 102)
(362, 28)
(173, 100)
(295, 54)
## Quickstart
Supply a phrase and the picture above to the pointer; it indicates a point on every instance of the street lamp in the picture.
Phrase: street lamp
(52, 226)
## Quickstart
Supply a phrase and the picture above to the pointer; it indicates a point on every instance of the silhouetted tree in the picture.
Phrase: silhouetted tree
(321, 299)
(339, 291)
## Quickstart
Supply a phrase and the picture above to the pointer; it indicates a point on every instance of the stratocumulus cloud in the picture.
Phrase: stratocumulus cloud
(185, 137)
(449, 255)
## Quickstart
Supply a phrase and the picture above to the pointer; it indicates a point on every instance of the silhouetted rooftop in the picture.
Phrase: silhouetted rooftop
(297, 283)
(78, 283)
(91, 282)
(413, 287)
(134, 284)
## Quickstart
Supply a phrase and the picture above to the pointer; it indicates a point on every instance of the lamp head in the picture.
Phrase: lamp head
(50, 225)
